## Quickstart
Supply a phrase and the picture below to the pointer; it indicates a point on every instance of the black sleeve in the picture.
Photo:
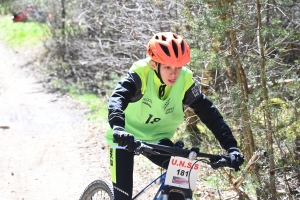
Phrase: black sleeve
(210, 116)
(127, 90)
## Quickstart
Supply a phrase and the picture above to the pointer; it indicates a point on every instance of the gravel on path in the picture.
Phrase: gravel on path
(48, 148)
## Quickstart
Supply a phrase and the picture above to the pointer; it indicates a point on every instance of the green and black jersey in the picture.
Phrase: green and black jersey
(135, 105)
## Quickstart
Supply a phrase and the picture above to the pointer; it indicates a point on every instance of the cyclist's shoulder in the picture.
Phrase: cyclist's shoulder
(141, 67)
(188, 78)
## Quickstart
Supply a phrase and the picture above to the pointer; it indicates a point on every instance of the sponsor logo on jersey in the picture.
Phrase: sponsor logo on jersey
(147, 102)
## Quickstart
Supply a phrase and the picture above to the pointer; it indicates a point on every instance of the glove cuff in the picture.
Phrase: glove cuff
(118, 128)
(231, 149)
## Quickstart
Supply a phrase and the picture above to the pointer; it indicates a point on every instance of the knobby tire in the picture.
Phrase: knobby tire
(98, 190)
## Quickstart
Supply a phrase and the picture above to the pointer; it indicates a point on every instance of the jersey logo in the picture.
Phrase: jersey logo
(168, 110)
(147, 102)
(195, 91)
(167, 103)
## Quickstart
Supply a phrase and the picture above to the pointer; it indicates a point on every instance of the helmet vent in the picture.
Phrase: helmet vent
(175, 36)
(165, 49)
(163, 38)
(175, 48)
(182, 47)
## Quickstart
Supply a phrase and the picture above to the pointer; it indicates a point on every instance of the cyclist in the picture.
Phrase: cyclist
(148, 105)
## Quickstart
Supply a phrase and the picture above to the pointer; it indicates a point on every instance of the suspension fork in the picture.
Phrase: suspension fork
(166, 189)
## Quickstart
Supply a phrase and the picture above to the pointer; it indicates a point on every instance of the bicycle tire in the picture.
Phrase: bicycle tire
(98, 190)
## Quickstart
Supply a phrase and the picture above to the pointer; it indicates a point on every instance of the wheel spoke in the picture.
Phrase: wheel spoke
(98, 190)
(101, 195)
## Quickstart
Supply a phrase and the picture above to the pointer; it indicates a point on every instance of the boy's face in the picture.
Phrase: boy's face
(169, 74)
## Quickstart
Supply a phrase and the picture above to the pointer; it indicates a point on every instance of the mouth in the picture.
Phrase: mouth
(172, 81)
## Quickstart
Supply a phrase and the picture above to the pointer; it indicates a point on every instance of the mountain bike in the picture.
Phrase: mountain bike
(180, 177)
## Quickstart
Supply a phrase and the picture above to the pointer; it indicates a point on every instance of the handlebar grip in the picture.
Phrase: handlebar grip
(224, 161)
(133, 145)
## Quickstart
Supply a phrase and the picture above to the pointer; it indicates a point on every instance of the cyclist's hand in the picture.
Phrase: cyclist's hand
(195, 149)
(236, 158)
(123, 138)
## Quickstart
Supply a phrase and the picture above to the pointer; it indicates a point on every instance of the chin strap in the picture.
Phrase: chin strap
(161, 90)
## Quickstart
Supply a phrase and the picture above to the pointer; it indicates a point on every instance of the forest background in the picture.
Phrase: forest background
(245, 58)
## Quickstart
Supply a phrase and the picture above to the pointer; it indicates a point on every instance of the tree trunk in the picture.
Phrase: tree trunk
(63, 18)
(270, 131)
(242, 81)
(241, 77)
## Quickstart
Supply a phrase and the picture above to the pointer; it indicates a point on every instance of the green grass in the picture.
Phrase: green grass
(22, 34)
(97, 106)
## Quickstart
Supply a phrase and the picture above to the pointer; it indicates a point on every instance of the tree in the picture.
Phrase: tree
(244, 54)
(230, 45)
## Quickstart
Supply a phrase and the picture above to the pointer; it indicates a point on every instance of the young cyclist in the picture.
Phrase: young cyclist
(148, 104)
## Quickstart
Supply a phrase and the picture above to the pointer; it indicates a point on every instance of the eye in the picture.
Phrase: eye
(167, 68)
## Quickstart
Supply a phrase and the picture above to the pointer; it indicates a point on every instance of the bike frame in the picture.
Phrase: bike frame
(159, 180)
(163, 190)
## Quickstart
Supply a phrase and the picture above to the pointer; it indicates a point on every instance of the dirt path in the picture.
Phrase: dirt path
(48, 150)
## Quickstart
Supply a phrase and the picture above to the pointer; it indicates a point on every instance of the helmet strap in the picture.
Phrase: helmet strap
(161, 90)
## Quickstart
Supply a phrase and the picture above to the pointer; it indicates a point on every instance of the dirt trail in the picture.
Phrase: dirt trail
(48, 150)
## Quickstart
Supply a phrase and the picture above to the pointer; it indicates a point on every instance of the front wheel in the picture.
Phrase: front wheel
(98, 190)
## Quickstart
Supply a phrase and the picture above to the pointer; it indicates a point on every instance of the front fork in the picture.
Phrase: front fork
(165, 191)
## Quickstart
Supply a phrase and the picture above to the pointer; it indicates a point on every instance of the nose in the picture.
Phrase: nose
(175, 71)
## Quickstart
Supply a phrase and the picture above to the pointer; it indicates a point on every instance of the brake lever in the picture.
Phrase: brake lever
(146, 150)
(222, 162)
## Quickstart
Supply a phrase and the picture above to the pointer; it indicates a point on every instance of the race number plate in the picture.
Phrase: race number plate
(182, 172)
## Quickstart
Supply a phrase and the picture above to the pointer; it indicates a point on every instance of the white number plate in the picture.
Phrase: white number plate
(182, 172)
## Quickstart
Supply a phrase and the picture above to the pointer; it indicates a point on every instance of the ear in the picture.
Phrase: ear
(153, 65)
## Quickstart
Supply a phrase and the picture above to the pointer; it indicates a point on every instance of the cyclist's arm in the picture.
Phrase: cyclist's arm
(210, 116)
(127, 90)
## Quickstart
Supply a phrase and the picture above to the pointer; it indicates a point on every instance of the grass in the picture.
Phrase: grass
(97, 106)
(22, 34)
(29, 34)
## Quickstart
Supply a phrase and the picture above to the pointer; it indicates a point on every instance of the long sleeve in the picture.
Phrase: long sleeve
(127, 90)
(210, 116)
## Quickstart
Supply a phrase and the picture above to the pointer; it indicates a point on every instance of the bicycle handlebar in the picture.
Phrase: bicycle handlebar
(215, 161)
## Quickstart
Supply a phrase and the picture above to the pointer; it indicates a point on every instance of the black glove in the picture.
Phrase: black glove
(196, 149)
(236, 158)
(123, 138)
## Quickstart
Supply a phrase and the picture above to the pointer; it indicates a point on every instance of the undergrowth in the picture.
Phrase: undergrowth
(22, 34)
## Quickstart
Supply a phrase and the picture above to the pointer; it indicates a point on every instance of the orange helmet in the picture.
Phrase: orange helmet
(169, 49)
